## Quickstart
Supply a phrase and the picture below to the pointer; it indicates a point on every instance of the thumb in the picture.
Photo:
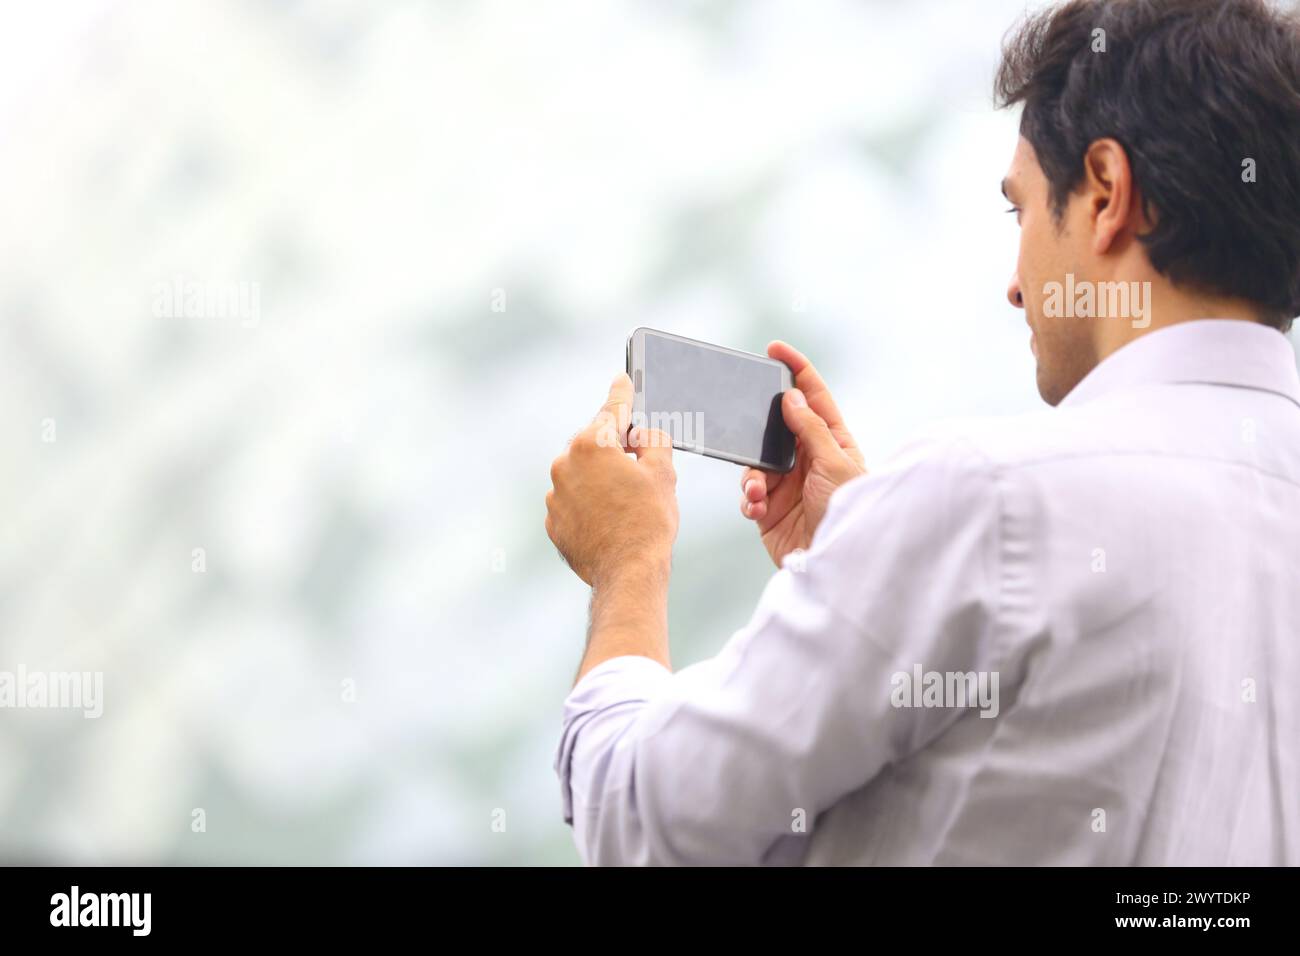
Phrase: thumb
(808, 426)
(652, 447)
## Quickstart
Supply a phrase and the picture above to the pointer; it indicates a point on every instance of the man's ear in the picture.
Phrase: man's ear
(1114, 208)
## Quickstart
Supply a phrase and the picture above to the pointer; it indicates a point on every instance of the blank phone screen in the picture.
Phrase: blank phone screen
(715, 402)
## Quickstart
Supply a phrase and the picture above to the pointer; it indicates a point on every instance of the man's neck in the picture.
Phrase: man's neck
(1163, 306)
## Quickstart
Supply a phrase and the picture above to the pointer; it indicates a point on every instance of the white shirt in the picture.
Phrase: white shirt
(1125, 566)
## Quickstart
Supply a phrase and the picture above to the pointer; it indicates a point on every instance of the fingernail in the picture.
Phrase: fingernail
(747, 485)
(796, 398)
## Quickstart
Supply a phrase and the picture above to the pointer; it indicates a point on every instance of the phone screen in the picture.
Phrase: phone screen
(711, 400)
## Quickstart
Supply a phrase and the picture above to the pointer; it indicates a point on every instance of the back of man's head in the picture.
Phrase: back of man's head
(1204, 97)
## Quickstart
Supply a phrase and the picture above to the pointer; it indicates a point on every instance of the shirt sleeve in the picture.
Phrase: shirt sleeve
(728, 761)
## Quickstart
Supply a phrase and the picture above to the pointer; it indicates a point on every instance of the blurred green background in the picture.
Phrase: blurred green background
(303, 540)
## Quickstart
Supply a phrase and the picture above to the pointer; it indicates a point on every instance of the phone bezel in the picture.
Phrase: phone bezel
(636, 362)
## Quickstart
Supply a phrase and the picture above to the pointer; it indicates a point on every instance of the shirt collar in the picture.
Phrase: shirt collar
(1203, 351)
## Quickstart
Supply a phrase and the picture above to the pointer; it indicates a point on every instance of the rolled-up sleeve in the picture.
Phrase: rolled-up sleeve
(602, 707)
(729, 761)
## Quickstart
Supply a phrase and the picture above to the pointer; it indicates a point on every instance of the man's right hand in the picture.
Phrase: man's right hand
(788, 507)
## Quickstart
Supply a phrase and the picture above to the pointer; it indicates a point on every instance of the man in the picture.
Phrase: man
(1072, 637)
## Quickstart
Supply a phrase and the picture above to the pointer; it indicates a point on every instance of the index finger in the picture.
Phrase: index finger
(809, 381)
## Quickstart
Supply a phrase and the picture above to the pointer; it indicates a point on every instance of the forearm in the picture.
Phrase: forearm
(629, 615)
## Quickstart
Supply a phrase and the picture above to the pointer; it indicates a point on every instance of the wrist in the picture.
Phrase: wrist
(641, 570)
(629, 611)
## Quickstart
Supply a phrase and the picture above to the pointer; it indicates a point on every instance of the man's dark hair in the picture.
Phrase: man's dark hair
(1191, 89)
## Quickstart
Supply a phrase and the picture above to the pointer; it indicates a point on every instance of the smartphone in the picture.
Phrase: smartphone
(711, 400)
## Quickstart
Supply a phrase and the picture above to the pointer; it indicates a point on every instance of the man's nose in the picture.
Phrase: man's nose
(1013, 291)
